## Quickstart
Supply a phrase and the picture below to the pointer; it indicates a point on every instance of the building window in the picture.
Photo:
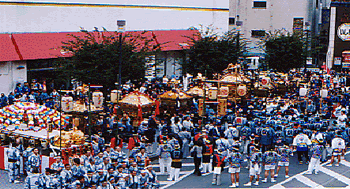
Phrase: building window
(259, 4)
(4, 68)
(298, 25)
(258, 33)
(231, 21)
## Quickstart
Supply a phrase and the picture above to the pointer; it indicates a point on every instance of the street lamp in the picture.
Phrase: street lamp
(308, 58)
(121, 29)
(239, 25)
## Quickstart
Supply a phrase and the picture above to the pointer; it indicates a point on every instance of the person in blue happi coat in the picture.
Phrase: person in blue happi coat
(34, 161)
(266, 137)
(13, 156)
(32, 181)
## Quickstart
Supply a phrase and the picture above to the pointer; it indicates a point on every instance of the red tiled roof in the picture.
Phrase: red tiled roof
(7, 49)
(33, 46)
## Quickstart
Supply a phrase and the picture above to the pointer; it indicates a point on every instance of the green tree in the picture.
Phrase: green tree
(95, 56)
(211, 51)
(284, 50)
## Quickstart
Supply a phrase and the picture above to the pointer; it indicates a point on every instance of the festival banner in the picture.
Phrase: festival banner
(200, 107)
(222, 107)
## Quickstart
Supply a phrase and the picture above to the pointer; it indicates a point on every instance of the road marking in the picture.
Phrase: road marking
(344, 162)
(279, 185)
(181, 173)
(308, 182)
(183, 164)
(166, 182)
(170, 183)
(336, 175)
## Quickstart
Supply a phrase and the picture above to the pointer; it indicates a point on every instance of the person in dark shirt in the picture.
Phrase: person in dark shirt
(3, 100)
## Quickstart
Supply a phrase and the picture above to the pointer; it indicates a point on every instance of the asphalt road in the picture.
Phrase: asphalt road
(193, 181)
(327, 177)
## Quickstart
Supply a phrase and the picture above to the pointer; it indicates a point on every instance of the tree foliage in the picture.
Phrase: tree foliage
(284, 50)
(212, 52)
(95, 57)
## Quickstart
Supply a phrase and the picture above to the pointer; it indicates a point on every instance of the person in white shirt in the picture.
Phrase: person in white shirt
(231, 133)
(187, 123)
(342, 119)
(176, 126)
(338, 147)
(301, 143)
(143, 88)
(337, 111)
(165, 80)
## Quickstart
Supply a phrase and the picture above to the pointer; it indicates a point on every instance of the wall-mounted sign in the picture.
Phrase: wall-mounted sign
(344, 32)
(337, 61)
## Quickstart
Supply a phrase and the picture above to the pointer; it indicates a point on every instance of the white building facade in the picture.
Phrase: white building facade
(255, 18)
(60, 16)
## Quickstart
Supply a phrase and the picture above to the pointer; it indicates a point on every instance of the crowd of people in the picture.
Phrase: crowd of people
(35, 92)
(261, 133)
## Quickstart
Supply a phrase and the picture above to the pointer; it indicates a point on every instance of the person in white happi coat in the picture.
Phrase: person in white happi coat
(222, 143)
(231, 133)
(338, 146)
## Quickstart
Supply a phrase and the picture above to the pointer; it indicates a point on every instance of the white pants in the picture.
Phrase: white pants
(314, 164)
(207, 167)
(217, 179)
(175, 172)
(244, 146)
(165, 162)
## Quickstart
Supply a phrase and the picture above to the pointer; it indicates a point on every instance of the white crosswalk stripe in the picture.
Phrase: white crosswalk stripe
(344, 162)
(336, 175)
(308, 182)
(183, 165)
(183, 174)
